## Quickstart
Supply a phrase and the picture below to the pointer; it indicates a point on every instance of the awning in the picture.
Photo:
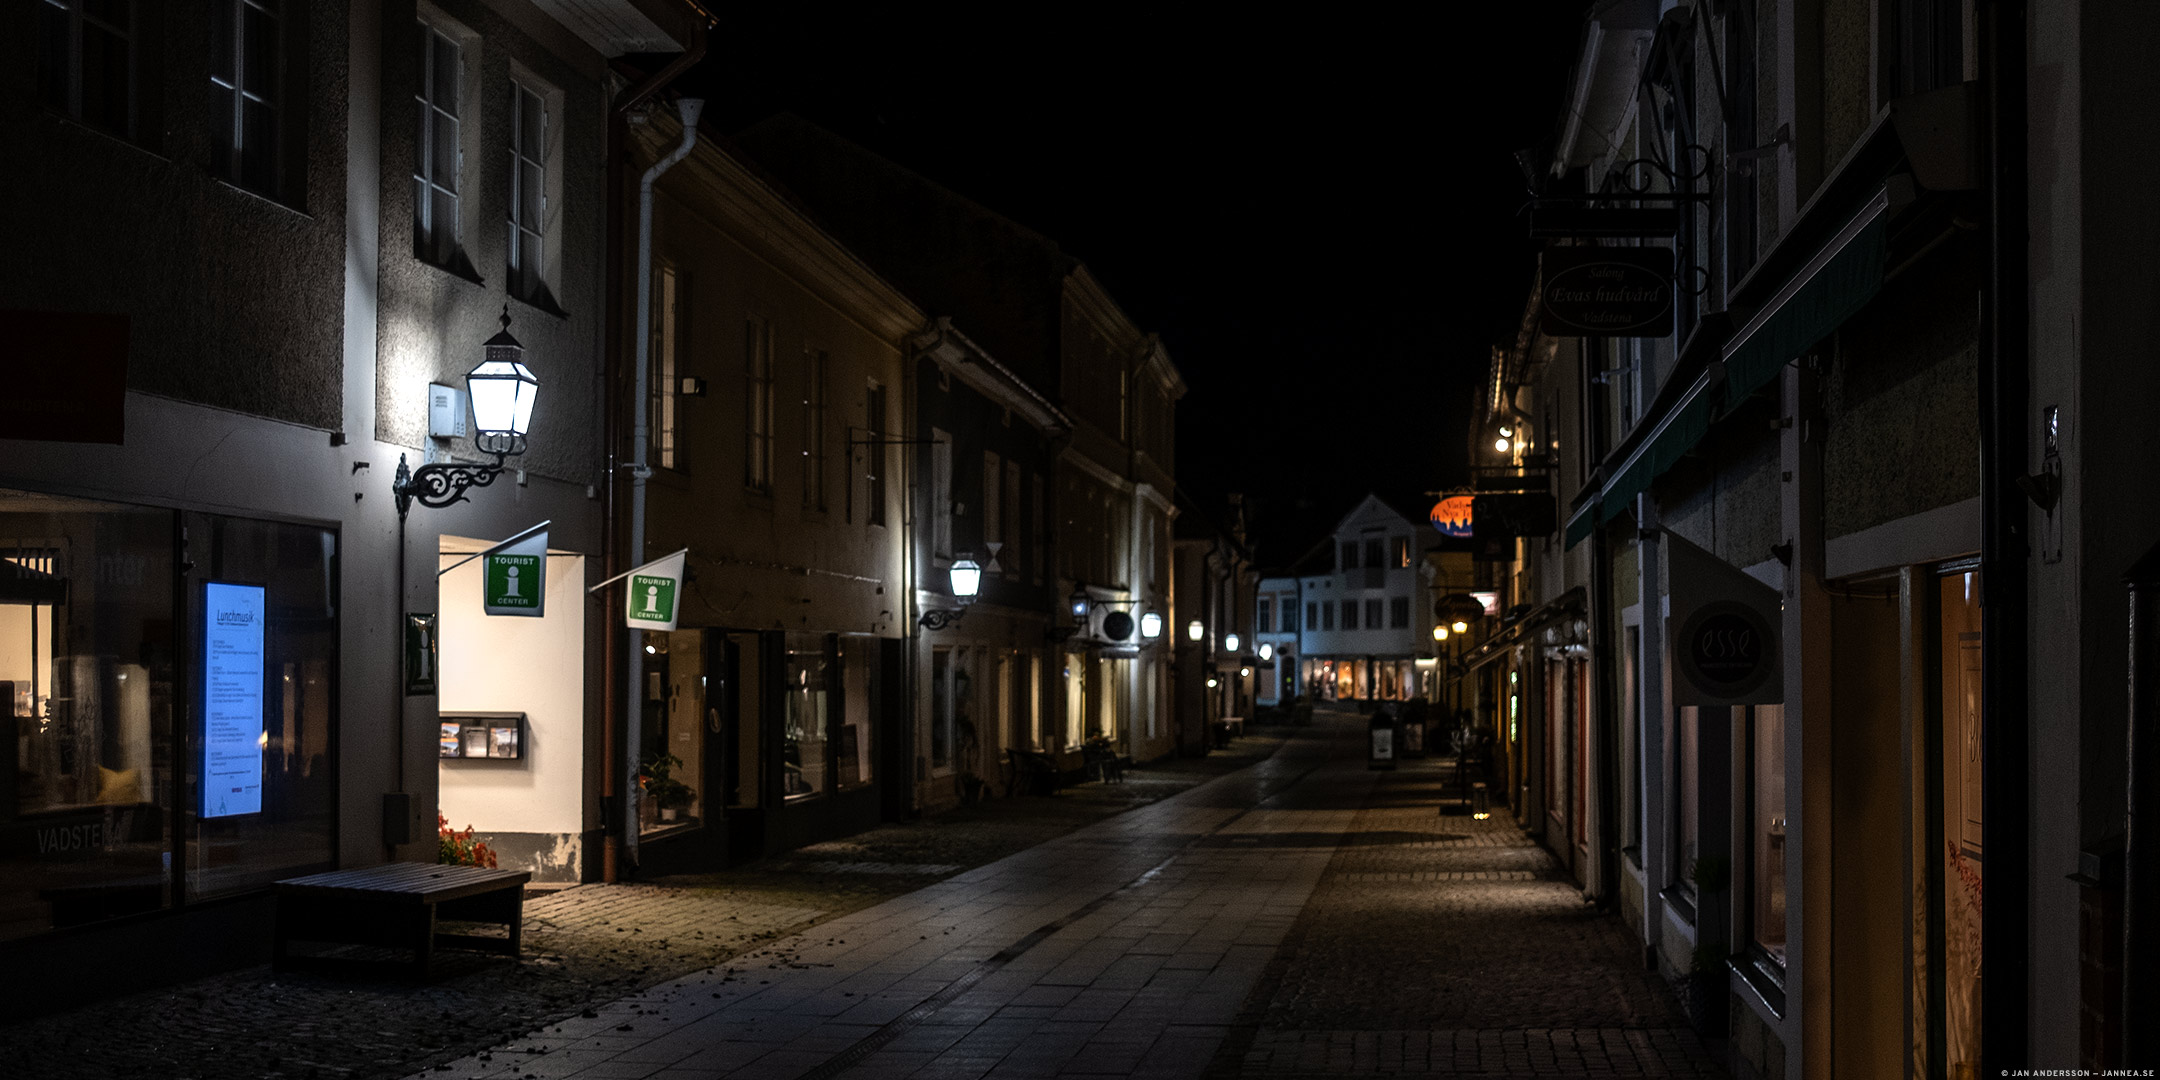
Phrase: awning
(1830, 288)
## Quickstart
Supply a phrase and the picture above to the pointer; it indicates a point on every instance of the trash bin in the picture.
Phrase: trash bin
(1414, 731)
(1383, 741)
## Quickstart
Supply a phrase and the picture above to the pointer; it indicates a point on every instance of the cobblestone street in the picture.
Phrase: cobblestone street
(1276, 910)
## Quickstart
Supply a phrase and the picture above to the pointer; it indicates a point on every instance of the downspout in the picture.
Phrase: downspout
(614, 801)
(634, 552)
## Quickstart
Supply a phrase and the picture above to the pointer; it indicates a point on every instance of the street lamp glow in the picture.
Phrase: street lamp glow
(1195, 631)
(1211, 682)
(1460, 627)
(1150, 625)
(1230, 642)
(1439, 633)
(1079, 602)
(1500, 444)
(1244, 672)
(966, 579)
(1267, 650)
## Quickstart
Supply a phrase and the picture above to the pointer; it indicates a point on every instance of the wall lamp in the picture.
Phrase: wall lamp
(1230, 642)
(966, 575)
(1151, 625)
(502, 390)
(1194, 631)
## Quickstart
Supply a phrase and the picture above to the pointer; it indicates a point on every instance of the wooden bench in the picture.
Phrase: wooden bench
(398, 905)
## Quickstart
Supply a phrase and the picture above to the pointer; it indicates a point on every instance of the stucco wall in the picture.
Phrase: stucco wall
(235, 301)
(1901, 399)
(432, 322)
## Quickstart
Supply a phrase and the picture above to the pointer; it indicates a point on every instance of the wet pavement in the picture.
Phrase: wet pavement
(1303, 916)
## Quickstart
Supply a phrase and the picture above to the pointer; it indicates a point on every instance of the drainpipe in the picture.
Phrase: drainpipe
(634, 553)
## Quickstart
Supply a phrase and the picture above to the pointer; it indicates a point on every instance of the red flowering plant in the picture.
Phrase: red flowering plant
(459, 848)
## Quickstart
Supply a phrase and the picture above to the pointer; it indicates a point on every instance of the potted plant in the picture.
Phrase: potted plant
(460, 848)
(667, 794)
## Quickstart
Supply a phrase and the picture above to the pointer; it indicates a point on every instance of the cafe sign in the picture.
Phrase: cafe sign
(1605, 292)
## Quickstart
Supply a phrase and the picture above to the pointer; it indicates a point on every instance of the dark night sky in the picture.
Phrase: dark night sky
(1320, 218)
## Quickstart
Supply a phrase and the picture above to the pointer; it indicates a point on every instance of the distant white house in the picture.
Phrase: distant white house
(1350, 620)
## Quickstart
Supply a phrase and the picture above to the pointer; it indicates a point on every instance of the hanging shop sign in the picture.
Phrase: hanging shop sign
(1452, 515)
(1722, 632)
(1520, 514)
(232, 704)
(1605, 292)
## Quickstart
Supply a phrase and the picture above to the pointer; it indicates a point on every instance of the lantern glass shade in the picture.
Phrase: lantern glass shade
(1460, 627)
(1079, 603)
(1267, 650)
(1439, 633)
(502, 390)
(1195, 631)
(1151, 625)
(1230, 642)
(966, 578)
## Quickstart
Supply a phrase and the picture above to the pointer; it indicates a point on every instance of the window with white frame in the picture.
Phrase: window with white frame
(662, 399)
(993, 501)
(87, 64)
(757, 404)
(439, 155)
(247, 99)
(532, 132)
(941, 494)
(1264, 617)
(813, 429)
(874, 450)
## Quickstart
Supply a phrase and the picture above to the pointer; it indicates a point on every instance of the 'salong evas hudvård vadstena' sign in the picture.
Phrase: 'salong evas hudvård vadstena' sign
(1605, 292)
(232, 704)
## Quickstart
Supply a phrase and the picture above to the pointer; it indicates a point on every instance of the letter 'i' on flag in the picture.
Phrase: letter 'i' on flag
(650, 601)
(514, 577)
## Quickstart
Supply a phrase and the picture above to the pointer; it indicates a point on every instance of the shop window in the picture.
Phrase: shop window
(858, 656)
(806, 744)
(1766, 822)
(941, 709)
(88, 671)
(1686, 819)
(1631, 740)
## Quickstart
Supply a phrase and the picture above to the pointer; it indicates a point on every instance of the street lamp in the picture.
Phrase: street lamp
(1079, 602)
(502, 390)
(1194, 631)
(1230, 642)
(1460, 627)
(1267, 650)
(1151, 625)
(1439, 633)
(966, 577)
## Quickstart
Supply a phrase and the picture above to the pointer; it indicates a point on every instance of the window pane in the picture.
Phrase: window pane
(443, 86)
(104, 80)
(258, 147)
(443, 158)
(530, 186)
(532, 137)
(221, 42)
(857, 656)
(804, 751)
(55, 56)
(442, 226)
(260, 34)
(1768, 816)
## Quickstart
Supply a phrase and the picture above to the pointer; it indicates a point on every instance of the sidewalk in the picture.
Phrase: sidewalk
(588, 944)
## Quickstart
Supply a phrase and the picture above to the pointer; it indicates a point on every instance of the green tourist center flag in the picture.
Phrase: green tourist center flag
(515, 577)
(651, 600)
